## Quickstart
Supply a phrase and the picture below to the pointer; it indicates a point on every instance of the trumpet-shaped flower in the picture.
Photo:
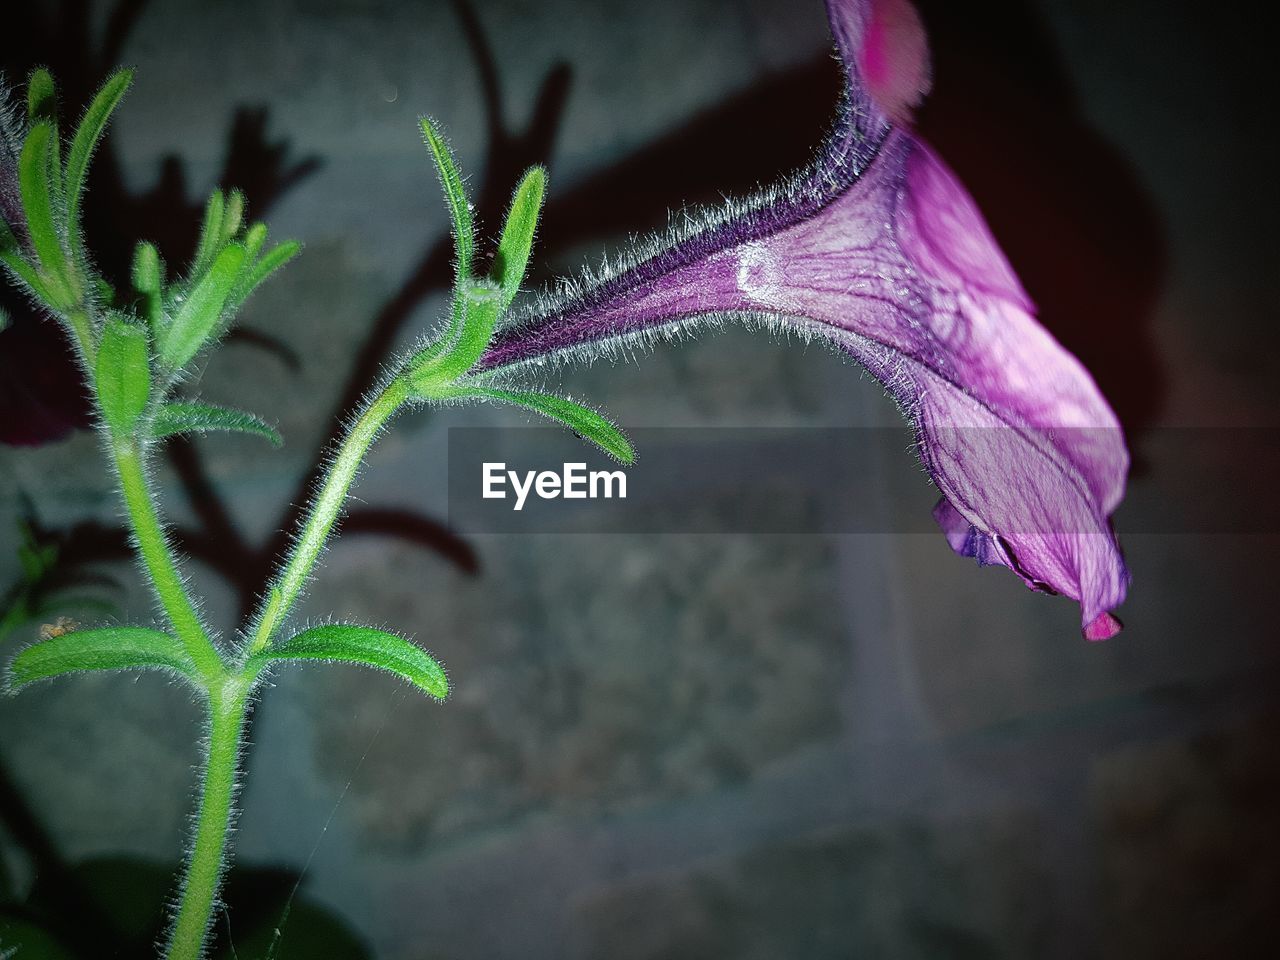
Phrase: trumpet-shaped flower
(878, 248)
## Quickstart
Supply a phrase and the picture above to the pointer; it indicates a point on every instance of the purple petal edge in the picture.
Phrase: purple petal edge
(880, 249)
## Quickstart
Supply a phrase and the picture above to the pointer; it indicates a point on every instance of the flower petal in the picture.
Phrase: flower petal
(879, 248)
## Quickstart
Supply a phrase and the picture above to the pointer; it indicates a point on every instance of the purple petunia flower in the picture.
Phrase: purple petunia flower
(880, 249)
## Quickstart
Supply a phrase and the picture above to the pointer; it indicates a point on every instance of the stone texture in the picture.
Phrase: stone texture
(585, 684)
(1189, 843)
(964, 889)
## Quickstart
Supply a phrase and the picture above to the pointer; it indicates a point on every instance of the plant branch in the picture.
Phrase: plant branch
(153, 547)
(325, 508)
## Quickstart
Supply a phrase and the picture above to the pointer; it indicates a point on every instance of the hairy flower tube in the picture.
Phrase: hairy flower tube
(879, 249)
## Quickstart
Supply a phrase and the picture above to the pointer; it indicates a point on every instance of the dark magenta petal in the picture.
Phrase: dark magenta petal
(1103, 628)
(880, 249)
(893, 60)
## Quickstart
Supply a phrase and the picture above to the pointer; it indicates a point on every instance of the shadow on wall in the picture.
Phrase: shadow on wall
(1065, 205)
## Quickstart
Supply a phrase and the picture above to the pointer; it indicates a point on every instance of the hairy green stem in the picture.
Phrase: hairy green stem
(324, 512)
(228, 708)
(82, 329)
(153, 546)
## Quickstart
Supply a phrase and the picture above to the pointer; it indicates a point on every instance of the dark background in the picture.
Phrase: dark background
(668, 745)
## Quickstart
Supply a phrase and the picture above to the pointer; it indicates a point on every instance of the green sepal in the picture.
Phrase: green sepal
(581, 420)
(360, 645)
(175, 418)
(37, 180)
(197, 319)
(433, 370)
(210, 234)
(86, 140)
(42, 96)
(122, 375)
(512, 260)
(106, 648)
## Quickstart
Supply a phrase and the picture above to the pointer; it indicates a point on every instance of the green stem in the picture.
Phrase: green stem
(324, 512)
(82, 329)
(165, 576)
(228, 707)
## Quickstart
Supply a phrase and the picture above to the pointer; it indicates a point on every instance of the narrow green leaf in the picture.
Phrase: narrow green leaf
(365, 646)
(581, 420)
(256, 275)
(122, 375)
(147, 274)
(42, 96)
(86, 140)
(175, 418)
(198, 317)
(512, 261)
(24, 272)
(42, 106)
(38, 185)
(106, 293)
(148, 280)
(455, 194)
(107, 648)
(210, 234)
(254, 238)
(232, 215)
(464, 241)
(4, 320)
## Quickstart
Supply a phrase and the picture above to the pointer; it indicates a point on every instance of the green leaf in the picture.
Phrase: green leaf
(464, 241)
(512, 261)
(146, 268)
(122, 375)
(210, 234)
(581, 420)
(254, 238)
(256, 275)
(148, 280)
(361, 645)
(455, 194)
(198, 317)
(232, 215)
(23, 271)
(42, 96)
(7, 239)
(86, 140)
(175, 418)
(38, 184)
(4, 320)
(107, 648)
